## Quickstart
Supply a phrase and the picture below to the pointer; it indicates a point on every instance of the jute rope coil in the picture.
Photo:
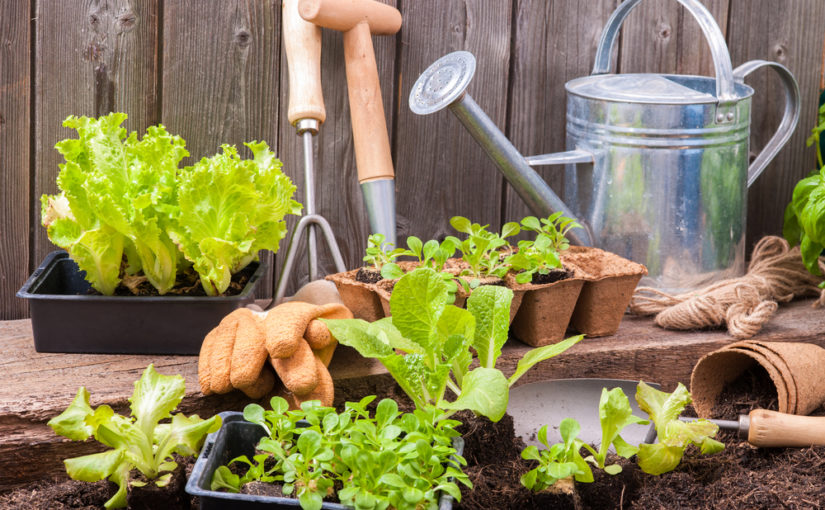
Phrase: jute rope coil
(776, 274)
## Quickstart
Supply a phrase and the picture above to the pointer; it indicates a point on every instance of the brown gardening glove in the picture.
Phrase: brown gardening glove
(298, 346)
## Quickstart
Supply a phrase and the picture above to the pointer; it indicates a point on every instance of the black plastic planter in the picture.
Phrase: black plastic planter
(239, 437)
(66, 318)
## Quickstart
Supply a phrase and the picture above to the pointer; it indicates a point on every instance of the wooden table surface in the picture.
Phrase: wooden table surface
(41, 385)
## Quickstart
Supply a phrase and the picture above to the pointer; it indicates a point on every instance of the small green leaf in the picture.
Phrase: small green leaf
(540, 354)
(484, 392)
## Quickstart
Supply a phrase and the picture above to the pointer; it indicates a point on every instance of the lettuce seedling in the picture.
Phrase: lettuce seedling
(379, 253)
(555, 227)
(116, 196)
(229, 209)
(137, 442)
(615, 414)
(430, 254)
(427, 344)
(674, 435)
(391, 460)
(541, 255)
(562, 460)
(482, 250)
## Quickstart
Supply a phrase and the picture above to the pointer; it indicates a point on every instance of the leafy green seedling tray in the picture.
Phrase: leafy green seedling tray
(67, 318)
(239, 437)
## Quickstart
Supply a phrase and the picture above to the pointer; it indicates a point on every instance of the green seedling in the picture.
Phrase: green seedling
(615, 414)
(427, 345)
(137, 442)
(557, 462)
(674, 435)
(379, 253)
(391, 460)
(484, 252)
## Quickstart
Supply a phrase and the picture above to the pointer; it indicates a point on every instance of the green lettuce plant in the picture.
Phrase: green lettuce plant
(230, 208)
(389, 460)
(805, 214)
(125, 199)
(484, 252)
(379, 253)
(541, 255)
(674, 435)
(615, 414)
(117, 195)
(138, 442)
(557, 462)
(431, 254)
(427, 345)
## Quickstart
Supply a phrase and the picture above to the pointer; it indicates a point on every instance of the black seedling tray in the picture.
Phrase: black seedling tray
(67, 318)
(239, 437)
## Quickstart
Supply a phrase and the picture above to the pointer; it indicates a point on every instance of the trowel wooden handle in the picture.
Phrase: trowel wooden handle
(369, 127)
(302, 41)
(773, 429)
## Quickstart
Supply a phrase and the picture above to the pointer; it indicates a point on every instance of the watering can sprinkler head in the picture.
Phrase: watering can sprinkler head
(443, 85)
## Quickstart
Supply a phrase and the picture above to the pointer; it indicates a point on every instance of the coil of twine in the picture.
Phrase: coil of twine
(775, 275)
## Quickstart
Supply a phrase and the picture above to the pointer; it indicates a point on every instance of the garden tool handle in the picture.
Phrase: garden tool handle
(358, 20)
(774, 429)
(302, 42)
(790, 117)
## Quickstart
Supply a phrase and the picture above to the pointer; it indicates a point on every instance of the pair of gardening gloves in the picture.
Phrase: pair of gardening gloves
(297, 345)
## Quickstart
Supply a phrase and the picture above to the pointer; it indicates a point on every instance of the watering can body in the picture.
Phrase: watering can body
(670, 169)
(657, 167)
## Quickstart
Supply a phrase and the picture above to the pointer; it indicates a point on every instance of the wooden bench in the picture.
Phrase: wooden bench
(41, 385)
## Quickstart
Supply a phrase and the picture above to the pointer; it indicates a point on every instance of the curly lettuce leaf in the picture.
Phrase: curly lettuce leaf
(230, 208)
(116, 195)
(674, 435)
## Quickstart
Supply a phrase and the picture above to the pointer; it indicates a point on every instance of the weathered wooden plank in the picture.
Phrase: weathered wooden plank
(15, 125)
(220, 76)
(778, 31)
(93, 57)
(338, 196)
(660, 36)
(554, 42)
(440, 170)
(41, 385)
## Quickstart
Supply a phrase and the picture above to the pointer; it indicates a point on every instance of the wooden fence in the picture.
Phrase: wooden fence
(214, 72)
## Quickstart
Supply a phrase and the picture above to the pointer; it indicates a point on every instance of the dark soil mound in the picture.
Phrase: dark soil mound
(366, 275)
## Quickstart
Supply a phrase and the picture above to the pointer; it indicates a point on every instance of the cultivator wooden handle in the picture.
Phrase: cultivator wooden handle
(302, 42)
(773, 429)
(358, 20)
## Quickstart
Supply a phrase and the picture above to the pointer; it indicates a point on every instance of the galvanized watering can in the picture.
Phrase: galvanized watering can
(657, 165)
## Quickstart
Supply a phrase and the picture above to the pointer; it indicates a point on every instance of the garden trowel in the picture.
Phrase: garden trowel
(549, 402)
(768, 429)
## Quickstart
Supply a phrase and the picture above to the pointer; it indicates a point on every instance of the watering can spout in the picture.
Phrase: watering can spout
(443, 85)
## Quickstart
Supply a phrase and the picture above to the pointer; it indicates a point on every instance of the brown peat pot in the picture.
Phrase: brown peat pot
(546, 309)
(609, 282)
(360, 297)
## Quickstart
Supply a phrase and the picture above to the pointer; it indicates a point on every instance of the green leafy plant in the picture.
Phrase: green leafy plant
(557, 462)
(378, 253)
(484, 252)
(117, 195)
(391, 460)
(674, 435)
(138, 442)
(805, 214)
(229, 209)
(615, 414)
(126, 197)
(431, 254)
(427, 344)
(541, 255)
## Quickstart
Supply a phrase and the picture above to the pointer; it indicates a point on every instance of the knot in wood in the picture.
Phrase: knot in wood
(126, 21)
(780, 52)
(243, 38)
(663, 30)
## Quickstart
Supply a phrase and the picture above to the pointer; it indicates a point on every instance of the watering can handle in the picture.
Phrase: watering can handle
(721, 58)
(789, 119)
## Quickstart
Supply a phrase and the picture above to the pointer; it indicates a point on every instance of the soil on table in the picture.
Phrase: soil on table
(741, 476)
(367, 275)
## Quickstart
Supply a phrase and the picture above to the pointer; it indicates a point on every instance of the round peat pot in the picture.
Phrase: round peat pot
(66, 317)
